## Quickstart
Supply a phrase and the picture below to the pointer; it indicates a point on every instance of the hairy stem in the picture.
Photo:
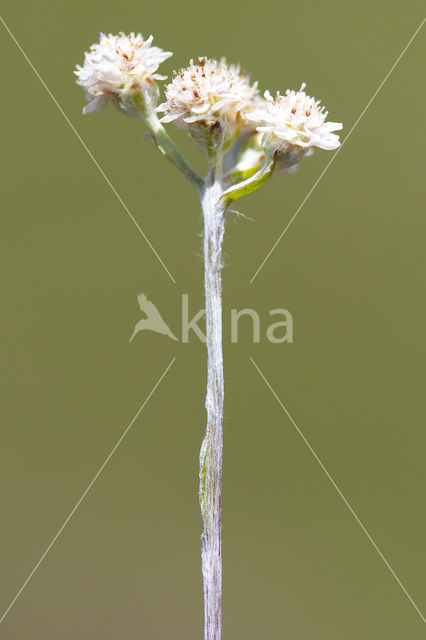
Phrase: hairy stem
(146, 107)
(210, 493)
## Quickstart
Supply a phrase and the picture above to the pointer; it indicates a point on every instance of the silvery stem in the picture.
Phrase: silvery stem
(210, 493)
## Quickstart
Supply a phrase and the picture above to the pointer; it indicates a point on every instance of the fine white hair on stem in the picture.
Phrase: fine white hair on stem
(211, 451)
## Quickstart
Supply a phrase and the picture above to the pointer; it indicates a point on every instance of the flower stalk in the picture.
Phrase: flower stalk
(210, 490)
(253, 182)
(146, 107)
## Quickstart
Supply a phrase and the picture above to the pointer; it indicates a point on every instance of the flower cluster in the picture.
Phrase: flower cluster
(207, 93)
(117, 66)
(217, 103)
(295, 119)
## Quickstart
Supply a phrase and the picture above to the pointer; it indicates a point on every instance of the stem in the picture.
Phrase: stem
(210, 493)
(253, 182)
(164, 142)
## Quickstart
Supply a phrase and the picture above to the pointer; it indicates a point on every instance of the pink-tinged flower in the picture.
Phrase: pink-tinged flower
(117, 67)
(295, 119)
(208, 92)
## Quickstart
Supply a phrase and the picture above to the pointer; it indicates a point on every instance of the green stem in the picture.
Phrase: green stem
(254, 182)
(163, 141)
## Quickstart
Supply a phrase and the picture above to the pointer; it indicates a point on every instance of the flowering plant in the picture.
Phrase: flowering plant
(245, 138)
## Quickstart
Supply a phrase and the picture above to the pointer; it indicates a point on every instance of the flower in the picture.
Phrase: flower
(208, 92)
(295, 119)
(118, 66)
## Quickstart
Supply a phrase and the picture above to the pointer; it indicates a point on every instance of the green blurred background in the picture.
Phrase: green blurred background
(297, 566)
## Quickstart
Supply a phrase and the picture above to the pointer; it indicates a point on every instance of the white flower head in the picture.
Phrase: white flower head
(118, 66)
(207, 93)
(295, 119)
